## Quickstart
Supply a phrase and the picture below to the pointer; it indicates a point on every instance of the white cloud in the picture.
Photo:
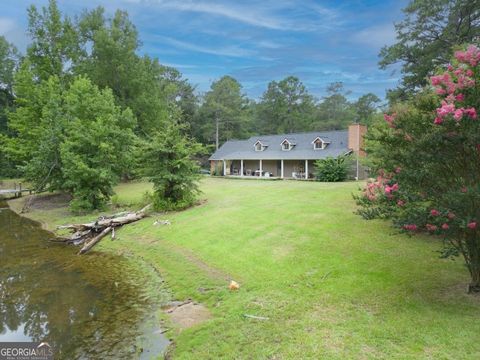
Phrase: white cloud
(232, 51)
(265, 14)
(376, 36)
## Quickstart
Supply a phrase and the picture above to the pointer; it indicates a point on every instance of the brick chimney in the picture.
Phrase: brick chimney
(356, 132)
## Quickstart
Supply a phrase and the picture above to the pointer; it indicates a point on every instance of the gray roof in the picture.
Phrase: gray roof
(303, 149)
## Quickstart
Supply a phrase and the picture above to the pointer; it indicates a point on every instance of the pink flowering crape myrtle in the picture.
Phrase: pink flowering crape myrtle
(428, 150)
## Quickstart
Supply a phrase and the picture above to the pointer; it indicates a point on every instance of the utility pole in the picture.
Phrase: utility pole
(358, 145)
(216, 131)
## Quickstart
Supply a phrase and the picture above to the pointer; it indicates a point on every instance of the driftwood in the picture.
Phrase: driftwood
(89, 234)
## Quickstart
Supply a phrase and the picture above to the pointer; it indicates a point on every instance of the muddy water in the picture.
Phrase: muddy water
(96, 306)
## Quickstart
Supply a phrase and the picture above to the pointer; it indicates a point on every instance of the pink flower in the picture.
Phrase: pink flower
(458, 114)
(395, 187)
(451, 215)
(464, 189)
(460, 97)
(410, 227)
(445, 109)
(436, 80)
(398, 169)
(445, 226)
(471, 113)
(400, 203)
(431, 227)
(472, 225)
(440, 91)
(471, 56)
(469, 72)
(438, 121)
(390, 119)
(434, 212)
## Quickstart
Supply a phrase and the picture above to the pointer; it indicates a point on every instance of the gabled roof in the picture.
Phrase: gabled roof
(319, 138)
(303, 150)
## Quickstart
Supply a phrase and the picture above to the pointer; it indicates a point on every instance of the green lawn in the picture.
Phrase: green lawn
(333, 285)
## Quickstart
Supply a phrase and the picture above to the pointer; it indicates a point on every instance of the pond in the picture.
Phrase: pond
(92, 306)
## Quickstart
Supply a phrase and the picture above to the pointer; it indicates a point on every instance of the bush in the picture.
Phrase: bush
(332, 169)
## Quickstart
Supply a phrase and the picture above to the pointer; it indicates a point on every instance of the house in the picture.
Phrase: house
(285, 155)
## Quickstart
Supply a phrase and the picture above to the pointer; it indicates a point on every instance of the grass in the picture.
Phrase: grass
(331, 284)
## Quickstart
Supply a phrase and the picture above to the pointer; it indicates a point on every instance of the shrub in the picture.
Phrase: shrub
(332, 169)
(167, 161)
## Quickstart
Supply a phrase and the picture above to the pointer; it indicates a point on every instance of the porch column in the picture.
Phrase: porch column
(281, 171)
(241, 167)
(224, 168)
(261, 167)
(306, 169)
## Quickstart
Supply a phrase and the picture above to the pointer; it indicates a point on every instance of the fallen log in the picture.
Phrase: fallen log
(88, 245)
(89, 234)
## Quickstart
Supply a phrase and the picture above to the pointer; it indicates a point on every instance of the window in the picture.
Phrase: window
(286, 145)
(259, 146)
(319, 144)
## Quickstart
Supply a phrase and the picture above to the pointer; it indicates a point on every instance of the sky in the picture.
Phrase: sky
(256, 42)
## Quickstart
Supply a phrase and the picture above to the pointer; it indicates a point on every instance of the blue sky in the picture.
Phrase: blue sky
(253, 41)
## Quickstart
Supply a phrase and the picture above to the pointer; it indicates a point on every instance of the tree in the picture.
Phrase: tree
(426, 37)
(332, 169)
(285, 107)
(9, 59)
(110, 60)
(428, 156)
(223, 113)
(335, 111)
(37, 127)
(97, 146)
(54, 43)
(76, 139)
(366, 107)
(167, 161)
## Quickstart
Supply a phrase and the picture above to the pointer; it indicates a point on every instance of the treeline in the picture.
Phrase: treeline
(286, 106)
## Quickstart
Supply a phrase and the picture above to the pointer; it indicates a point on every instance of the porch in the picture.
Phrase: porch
(283, 169)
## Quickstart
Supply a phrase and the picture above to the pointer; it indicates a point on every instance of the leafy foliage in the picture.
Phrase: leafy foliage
(97, 147)
(224, 107)
(425, 39)
(285, 107)
(9, 59)
(75, 140)
(167, 161)
(427, 154)
(332, 169)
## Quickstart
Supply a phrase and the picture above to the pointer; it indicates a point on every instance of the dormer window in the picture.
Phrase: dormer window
(319, 144)
(259, 146)
(286, 145)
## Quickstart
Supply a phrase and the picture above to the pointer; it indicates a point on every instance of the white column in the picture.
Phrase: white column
(306, 169)
(281, 172)
(261, 167)
(224, 168)
(241, 167)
